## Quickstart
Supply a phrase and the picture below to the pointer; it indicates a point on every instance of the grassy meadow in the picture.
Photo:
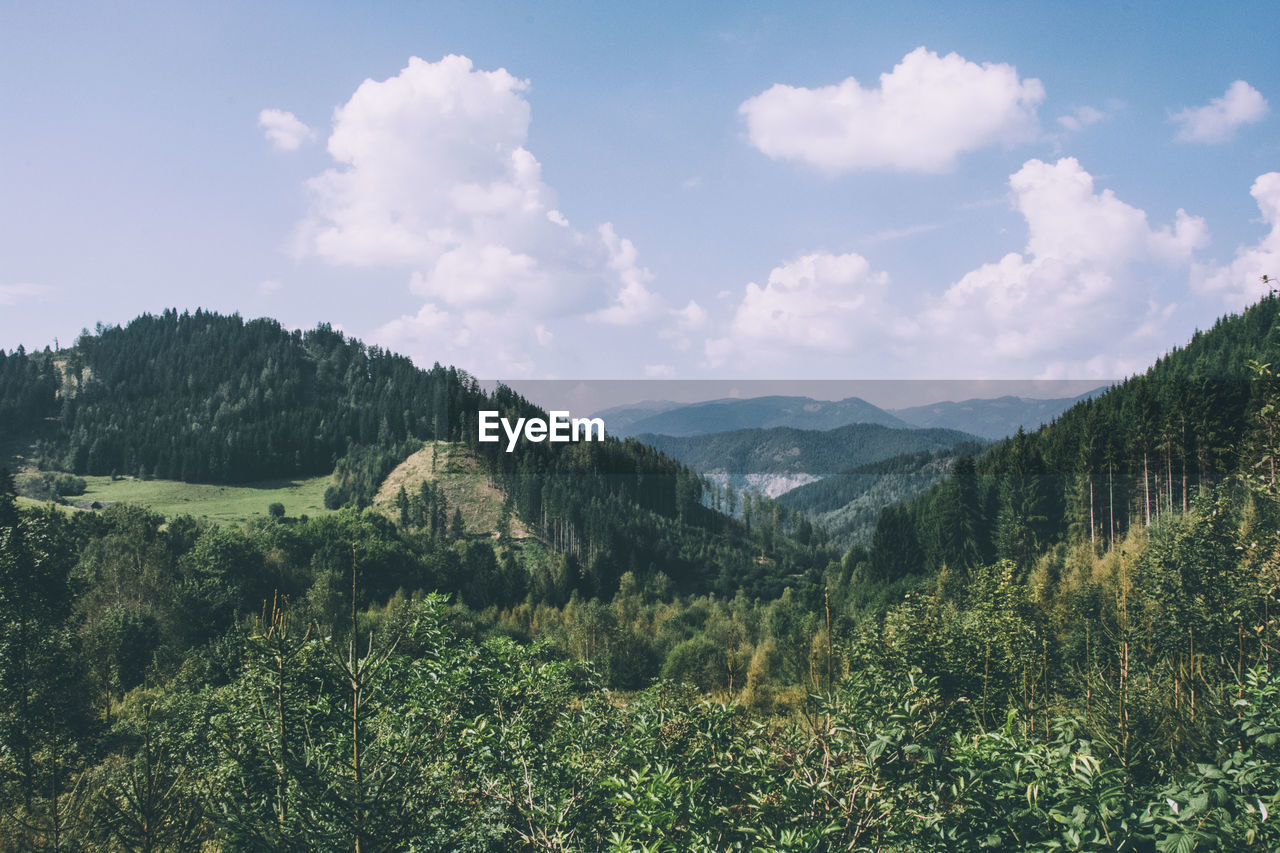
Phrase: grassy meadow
(203, 500)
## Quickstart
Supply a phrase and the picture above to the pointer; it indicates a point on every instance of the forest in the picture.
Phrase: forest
(1064, 644)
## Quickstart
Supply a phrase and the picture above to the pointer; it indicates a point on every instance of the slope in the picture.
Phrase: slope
(203, 397)
(459, 477)
(773, 461)
(1141, 451)
(847, 504)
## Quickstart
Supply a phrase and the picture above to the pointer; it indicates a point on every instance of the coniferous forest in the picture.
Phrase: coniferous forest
(1063, 645)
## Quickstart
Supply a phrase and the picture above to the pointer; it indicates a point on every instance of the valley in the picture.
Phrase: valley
(1093, 593)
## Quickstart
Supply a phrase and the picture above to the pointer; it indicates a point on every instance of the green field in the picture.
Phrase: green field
(216, 503)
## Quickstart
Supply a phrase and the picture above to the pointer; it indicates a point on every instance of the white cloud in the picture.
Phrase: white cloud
(497, 345)
(269, 287)
(817, 303)
(1240, 281)
(431, 174)
(24, 292)
(634, 302)
(691, 317)
(926, 112)
(1078, 281)
(1217, 122)
(1081, 117)
(1100, 367)
(683, 324)
(659, 371)
(284, 130)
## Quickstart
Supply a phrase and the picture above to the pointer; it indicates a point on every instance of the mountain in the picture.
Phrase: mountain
(751, 413)
(1141, 451)
(995, 418)
(847, 504)
(203, 397)
(619, 419)
(773, 461)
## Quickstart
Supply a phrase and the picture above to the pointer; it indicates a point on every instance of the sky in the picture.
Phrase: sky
(997, 191)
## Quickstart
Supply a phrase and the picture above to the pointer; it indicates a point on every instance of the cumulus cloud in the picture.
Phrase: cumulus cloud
(634, 302)
(1240, 281)
(926, 112)
(1218, 120)
(284, 130)
(431, 174)
(820, 302)
(1075, 280)
(691, 317)
(1088, 295)
(683, 324)
(494, 344)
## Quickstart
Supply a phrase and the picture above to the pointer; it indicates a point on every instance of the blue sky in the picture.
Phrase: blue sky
(589, 190)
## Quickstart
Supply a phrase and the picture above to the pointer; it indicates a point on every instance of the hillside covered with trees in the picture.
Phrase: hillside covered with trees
(774, 460)
(847, 504)
(1063, 645)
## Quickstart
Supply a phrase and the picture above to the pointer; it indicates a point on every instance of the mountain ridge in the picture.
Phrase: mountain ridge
(992, 417)
(732, 413)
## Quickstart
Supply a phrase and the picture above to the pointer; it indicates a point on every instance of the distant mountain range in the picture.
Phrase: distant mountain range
(840, 461)
(988, 418)
(773, 461)
(992, 418)
(712, 416)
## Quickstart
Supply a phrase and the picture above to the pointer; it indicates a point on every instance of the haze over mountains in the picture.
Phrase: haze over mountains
(685, 419)
(992, 418)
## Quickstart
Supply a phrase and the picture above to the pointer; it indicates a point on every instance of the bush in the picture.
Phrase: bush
(334, 498)
(50, 485)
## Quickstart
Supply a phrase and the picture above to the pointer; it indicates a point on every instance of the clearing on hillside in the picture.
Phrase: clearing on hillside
(465, 486)
(222, 503)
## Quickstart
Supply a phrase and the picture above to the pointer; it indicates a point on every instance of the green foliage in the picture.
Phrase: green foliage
(358, 475)
(1228, 803)
(205, 398)
(50, 485)
(747, 455)
(1139, 452)
(291, 684)
(847, 504)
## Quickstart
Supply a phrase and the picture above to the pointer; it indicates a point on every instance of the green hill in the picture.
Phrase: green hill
(462, 483)
(847, 504)
(1120, 461)
(773, 461)
(206, 398)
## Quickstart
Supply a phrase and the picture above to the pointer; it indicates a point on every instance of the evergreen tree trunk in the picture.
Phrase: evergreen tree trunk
(1092, 538)
(1111, 502)
(1146, 489)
